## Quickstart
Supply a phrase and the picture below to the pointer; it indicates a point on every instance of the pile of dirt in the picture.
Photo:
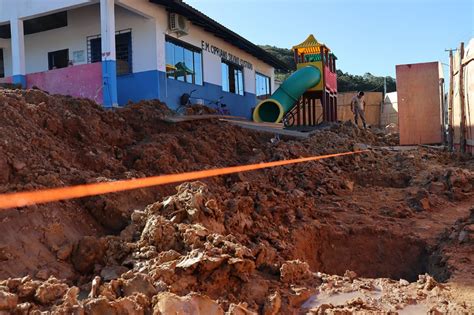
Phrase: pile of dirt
(265, 241)
(197, 109)
(178, 255)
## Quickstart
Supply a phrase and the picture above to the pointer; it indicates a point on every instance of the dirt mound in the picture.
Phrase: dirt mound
(242, 243)
(181, 257)
(50, 141)
(198, 109)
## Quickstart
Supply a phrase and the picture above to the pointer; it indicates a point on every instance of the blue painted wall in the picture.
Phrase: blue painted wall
(138, 86)
(155, 85)
(238, 105)
(19, 79)
(109, 81)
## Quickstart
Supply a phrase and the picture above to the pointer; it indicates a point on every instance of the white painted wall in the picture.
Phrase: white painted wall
(149, 24)
(389, 110)
(7, 56)
(211, 62)
(84, 22)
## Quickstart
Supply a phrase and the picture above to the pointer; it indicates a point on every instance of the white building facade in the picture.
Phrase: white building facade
(129, 50)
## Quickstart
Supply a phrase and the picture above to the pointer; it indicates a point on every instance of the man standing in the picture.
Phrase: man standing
(357, 107)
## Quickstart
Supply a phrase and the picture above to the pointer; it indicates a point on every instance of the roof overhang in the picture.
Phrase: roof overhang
(200, 19)
(39, 24)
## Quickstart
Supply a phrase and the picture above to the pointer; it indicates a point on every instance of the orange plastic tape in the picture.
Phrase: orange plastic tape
(28, 198)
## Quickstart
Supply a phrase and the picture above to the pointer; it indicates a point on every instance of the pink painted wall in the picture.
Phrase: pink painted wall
(6, 80)
(78, 81)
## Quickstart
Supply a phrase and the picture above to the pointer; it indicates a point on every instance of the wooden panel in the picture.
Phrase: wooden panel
(372, 107)
(419, 103)
(343, 108)
(468, 96)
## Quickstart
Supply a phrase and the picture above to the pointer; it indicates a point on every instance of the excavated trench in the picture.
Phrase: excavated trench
(370, 253)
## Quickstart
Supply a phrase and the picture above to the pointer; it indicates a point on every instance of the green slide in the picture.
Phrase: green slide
(274, 108)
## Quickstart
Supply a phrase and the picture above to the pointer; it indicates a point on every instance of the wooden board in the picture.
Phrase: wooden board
(182, 118)
(269, 128)
(373, 102)
(468, 74)
(419, 103)
(242, 122)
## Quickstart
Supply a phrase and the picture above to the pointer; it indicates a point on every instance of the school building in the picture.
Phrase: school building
(128, 50)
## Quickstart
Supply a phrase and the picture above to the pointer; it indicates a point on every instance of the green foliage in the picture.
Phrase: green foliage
(369, 83)
(285, 55)
(345, 82)
(282, 76)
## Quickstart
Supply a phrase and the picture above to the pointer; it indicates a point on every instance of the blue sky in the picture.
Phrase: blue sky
(367, 35)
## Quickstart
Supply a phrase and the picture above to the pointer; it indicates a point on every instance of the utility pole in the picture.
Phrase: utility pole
(450, 101)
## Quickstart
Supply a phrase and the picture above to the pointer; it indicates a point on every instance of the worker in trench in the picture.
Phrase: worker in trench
(357, 107)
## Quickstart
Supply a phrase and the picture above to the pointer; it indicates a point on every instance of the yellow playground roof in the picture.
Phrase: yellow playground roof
(309, 46)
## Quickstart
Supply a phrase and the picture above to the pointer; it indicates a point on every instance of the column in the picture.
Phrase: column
(109, 70)
(18, 52)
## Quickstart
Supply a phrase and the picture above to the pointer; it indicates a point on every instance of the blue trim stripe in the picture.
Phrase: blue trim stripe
(109, 82)
(19, 79)
(138, 86)
(153, 84)
(238, 105)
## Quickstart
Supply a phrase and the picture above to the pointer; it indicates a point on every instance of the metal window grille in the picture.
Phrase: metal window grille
(123, 50)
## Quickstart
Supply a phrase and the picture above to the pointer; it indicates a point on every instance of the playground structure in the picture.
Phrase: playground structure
(314, 82)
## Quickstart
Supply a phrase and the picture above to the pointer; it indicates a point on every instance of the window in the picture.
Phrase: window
(123, 51)
(183, 62)
(58, 59)
(2, 65)
(232, 78)
(95, 50)
(262, 86)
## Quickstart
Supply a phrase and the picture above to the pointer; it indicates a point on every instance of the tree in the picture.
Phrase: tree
(348, 82)
(284, 54)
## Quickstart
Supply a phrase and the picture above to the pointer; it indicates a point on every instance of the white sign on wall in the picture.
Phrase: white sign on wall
(78, 56)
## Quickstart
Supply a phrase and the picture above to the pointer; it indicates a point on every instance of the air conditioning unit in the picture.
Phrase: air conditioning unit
(178, 24)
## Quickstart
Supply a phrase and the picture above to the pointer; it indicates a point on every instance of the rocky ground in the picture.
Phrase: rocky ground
(383, 232)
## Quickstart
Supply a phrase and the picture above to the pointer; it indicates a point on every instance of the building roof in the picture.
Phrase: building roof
(309, 42)
(200, 19)
(310, 46)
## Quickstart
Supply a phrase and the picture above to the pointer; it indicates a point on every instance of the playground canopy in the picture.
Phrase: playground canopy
(311, 46)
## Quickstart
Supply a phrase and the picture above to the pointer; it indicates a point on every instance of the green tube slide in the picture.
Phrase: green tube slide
(274, 108)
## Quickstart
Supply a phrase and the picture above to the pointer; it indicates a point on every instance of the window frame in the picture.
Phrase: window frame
(236, 69)
(130, 52)
(2, 63)
(99, 37)
(187, 47)
(257, 74)
(51, 64)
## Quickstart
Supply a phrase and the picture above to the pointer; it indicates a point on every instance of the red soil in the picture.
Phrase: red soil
(261, 241)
